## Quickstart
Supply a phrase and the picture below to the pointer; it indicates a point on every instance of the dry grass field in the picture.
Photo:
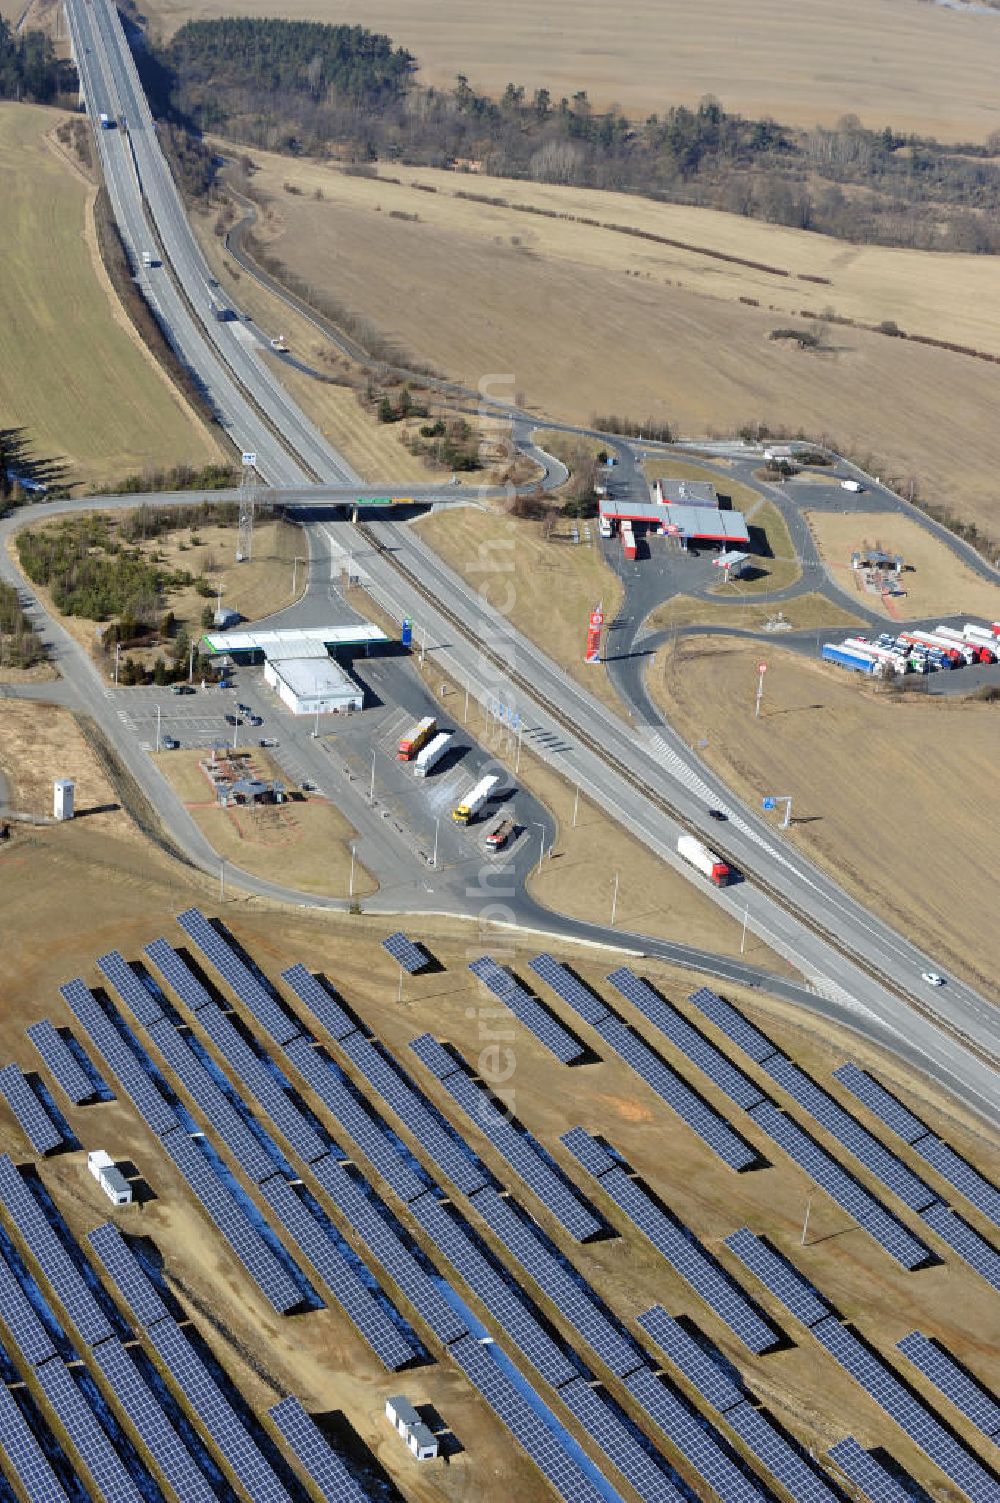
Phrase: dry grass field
(41, 742)
(738, 609)
(546, 586)
(72, 371)
(538, 297)
(110, 895)
(917, 67)
(939, 584)
(880, 785)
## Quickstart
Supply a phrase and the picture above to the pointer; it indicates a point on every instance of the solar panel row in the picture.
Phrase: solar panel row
(961, 1176)
(696, 1440)
(140, 1002)
(880, 1102)
(605, 1424)
(867, 1474)
(528, 1010)
(35, 1122)
(314, 1453)
(520, 1150)
(323, 1007)
(567, 986)
(779, 1276)
(22, 1321)
(708, 1376)
(778, 1456)
(224, 959)
(690, 1260)
(732, 1023)
(137, 1290)
(65, 1069)
(178, 974)
(89, 1440)
(405, 952)
(946, 1375)
(912, 1416)
(966, 1241)
(588, 1153)
(25, 1456)
(157, 1113)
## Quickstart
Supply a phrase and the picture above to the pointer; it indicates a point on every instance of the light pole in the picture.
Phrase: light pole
(157, 727)
(191, 662)
(805, 1223)
(236, 732)
(295, 571)
(222, 880)
(371, 789)
(761, 670)
(576, 804)
(517, 760)
(541, 843)
(743, 940)
(614, 900)
(118, 649)
(350, 882)
(316, 726)
(434, 858)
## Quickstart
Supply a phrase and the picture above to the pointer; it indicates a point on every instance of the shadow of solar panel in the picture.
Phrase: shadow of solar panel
(18, 1315)
(783, 1280)
(678, 1095)
(405, 952)
(696, 1440)
(34, 1121)
(952, 1380)
(61, 1272)
(710, 1060)
(243, 1238)
(866, 1473)
(880, 1103)
(67, 1072)
(157, 1113)
(912, 1416)
(385, 1240)
(511, 1407)
(25, 1456)
(127, 1275)
(711, 1380)
(977, 1190)
(521, 1152)
(314, 1454)
(605, 1424)
(199, 1390)
(569, 988)
(326, 1009)
(371, 1136)
(528, 1010)
(87, 1437)
(141, 1003)
(155, 1431)
(732, 1023)
(353, 1295)
(223, 958)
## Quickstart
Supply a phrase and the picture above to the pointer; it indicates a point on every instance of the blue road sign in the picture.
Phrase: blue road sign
(407, 635)
(769, 803)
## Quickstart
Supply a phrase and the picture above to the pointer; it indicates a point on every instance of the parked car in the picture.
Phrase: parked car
(244, 709)
(233, 720)
(182, 688)
(169, 743)
(267, 741)
(255, 719)
(226, 683)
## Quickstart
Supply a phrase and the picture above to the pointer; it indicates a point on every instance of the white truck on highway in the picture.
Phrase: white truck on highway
(106, 121)
(431, 754)
(707, 862)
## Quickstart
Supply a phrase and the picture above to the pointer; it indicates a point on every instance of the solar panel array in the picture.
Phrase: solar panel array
(696, 1440)
(880, 1102)
(89, 1440)
(57, 1056)
(25, 1456)
(35, 1122)
(866, 1473)
(238, 976)
(315, 1455)
(511, 1407)
(688, 1258)
(588, 1152)
(125, 1272)
(570, 988)
(842, 1187)
(605, 1424)
(62, 1273)
(157, 1113)
(405, 952)
(21, 1319)
(966, 1241)
(708, 1376)
(710, 1060)
(138, 999)
(178, 974)
(520, 1150)
(783, 1280)
(320, 1003)
(733, 1024)
(912, 1416)
(527, 1009)
(952, 1380)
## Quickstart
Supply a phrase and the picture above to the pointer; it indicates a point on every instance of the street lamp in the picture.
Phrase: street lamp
(541, 842)
(614, 901)
(350, 884)
(434, 858)
(157, 727)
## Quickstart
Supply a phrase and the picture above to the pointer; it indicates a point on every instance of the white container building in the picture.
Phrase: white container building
(421, 1440)
(110, 1178)
(63, 791)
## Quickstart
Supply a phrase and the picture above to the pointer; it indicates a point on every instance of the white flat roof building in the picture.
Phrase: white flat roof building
(303, 642)
(313, 686)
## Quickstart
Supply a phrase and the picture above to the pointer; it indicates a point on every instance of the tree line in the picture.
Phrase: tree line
(29, 68)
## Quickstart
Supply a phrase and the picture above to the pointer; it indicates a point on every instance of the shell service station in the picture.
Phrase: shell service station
(686, 510)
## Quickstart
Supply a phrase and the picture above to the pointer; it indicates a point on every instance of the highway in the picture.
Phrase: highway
(785, 899)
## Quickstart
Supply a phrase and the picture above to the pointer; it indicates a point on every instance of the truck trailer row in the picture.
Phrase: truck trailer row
(918, 650)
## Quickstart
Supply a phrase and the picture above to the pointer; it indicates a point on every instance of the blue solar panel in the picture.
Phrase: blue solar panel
(876, 1485)
(574, 1298)
(519, 1149)
(154, 1429)
(25, 1456)
(956, 1384)
(842, 1187)
(527, 1010)
(588, 1153)
(732, 1023)
(369, 1133)
(127, 1274)
(141, 1003)
(778, 1456)
(434, 1055)
(19, 1316)
(405, 952)
(385, 1241)
(710, 1060)
(848, 1130)
(260, 1262)
(912, 1416)
(325, 1008)
(314, 1454)
(880, 1103)
(91, 1444)
(513, 1408)
(696, 1440)
(678, 1095)
(565, 985)
(216, 1414)
(238, 977)
(605, 1425)
(157, 1113)
(967, 1242)
(58, 1057)
(178, 974)
(707, 1376)
(65, 1278)
(36, 1124)
(961, 1176)
(785, 1282)
(507, 1307)
(350, 1290)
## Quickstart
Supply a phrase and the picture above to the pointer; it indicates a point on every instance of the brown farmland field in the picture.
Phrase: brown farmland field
(881, 783)
(587, 320)
(892, 62)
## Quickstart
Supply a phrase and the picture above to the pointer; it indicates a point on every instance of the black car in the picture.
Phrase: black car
(244, 709)
(233, 720)
(181, 689)
(255, 719)
(717, 814)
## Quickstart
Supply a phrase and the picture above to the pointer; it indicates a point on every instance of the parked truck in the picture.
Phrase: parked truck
(981, 635)
(495, 839)
(106, 121)
(628, 539)
(848, 657)
(465, 812)
(976, 649)
(889, 656)
(707, 862)
(432, 754)
(415, 739)
(927, 639)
